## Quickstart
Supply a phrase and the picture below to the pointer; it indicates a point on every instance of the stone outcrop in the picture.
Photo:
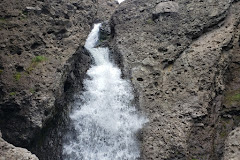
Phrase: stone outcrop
(177, 55)
(232, 146)
(38, 40)
(10, 152)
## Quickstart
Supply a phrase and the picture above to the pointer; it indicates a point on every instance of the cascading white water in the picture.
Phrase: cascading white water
(120, 1)
(104, 119)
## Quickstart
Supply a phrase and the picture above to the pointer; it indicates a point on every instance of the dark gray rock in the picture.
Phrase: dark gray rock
(42, 62)
(41, 44)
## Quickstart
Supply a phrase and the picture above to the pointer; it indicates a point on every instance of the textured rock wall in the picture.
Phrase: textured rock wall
(176, 54)
(37, 41)
(232, 145)
(42, 62)
(41, 42)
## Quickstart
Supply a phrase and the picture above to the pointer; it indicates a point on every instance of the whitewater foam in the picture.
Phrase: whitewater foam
(105, 120)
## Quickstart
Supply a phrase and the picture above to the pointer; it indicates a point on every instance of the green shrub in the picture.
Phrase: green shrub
(1, 71)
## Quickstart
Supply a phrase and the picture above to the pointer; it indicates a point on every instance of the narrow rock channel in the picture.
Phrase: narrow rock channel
(105, 122)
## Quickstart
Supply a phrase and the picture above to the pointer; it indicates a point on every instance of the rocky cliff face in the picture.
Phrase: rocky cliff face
(182, 58)
(41, 59)
(178, 55)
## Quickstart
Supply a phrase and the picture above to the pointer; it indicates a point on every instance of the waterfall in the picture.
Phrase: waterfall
(105, 120)
(120, 1)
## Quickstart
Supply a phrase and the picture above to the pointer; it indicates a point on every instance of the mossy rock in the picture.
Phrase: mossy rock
(12, 93)
(3, 20)
(17, 76)
(39, 59)
(232, 98)
(35, 61)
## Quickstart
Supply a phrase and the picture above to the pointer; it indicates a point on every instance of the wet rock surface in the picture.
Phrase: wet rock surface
(177, 55)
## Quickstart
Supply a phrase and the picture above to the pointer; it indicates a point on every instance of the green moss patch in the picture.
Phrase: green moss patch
(17, 76)
(39, 59)
(3, 20)
(236, 97)
(149, 21)
(32, 90)
(232, 98)
(12, 93)
(1, 71)
(35, 61)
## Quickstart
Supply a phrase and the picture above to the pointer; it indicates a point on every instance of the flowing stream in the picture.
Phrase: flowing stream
(105, 120)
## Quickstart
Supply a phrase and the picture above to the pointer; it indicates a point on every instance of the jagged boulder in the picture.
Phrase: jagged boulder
(10, 152)
(232, 145)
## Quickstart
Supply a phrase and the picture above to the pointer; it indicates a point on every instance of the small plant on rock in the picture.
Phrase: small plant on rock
(39, 59)
(149, 21)
(17, 76)
(35, 61)
(12, 93)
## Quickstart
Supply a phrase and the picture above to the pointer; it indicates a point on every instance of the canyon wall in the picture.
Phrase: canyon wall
(182, 58)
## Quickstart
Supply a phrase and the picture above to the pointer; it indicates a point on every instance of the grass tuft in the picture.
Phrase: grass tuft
(39, 59)
(12, 93)
(35, 61)
(17, 76)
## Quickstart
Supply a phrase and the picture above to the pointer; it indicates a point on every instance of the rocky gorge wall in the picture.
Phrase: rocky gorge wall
(181, 56)
(42, 61)
(183, 60)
